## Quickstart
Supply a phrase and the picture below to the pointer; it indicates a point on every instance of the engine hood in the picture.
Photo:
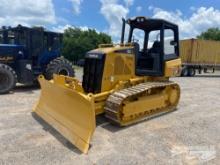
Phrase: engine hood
(113, 49)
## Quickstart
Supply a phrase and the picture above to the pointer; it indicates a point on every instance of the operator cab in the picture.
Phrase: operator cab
(158, 42)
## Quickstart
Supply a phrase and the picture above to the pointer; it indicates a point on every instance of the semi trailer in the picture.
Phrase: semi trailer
(199, 55)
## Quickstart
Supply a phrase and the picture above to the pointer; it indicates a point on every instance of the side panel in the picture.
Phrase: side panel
(119, 66)
(46, 56)
(200, 52)
(173, 68)
(186, 50)
(8, 54)
(208, 52)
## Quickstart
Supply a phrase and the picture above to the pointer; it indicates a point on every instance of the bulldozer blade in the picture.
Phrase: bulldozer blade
(70, 112)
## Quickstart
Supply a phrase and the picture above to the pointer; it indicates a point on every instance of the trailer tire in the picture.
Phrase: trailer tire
(8, 79)
(191, 72)
(184, 72)
(59, 66)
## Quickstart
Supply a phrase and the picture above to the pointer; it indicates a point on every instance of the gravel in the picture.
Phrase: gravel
(190, 135)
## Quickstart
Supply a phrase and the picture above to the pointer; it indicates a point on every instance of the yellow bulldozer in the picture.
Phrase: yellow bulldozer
(128, 82)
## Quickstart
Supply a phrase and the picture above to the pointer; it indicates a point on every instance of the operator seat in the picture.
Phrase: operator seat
(155, 48)
(149, 60)
(136, 48)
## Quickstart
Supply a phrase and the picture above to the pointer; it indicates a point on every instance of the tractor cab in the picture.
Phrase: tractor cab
(157, 43)
(36, 41)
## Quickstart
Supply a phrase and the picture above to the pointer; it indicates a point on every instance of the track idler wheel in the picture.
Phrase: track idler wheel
(174, 94)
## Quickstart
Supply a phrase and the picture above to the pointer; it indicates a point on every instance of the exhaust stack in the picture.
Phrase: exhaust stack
(123, 31)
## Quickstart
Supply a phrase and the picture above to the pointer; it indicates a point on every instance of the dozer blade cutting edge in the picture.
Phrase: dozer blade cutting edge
(70, 112)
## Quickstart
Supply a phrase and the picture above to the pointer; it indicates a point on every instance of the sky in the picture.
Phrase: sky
(192, 16)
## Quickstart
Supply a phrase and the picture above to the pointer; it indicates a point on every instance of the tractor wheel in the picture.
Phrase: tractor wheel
(8, 78)
(59, 66)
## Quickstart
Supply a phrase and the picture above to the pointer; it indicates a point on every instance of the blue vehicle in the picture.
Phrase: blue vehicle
(25, 53)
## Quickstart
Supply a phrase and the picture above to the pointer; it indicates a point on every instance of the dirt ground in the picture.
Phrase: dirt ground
(190, 135)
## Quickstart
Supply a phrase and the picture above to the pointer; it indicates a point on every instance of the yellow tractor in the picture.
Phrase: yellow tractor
(127, 82)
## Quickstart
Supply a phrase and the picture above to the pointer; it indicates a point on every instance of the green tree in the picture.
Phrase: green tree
(210, 34)
(77, 42)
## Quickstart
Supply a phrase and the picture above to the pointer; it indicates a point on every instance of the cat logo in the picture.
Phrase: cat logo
(6, 59)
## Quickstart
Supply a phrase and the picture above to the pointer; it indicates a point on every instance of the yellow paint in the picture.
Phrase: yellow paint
(118, 67)
(144, 104)
(70, 112)
(173, 68)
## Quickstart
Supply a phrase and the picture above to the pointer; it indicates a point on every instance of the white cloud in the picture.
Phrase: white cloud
(76, 6)
(85, 28)
(61, 28)
(202, 19)
(138, 9)
(28, 12)
(113, 13)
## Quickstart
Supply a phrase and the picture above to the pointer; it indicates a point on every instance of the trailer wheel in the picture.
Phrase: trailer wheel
(191, 72)
(184, 72)
(59, 66)
(8, 78)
